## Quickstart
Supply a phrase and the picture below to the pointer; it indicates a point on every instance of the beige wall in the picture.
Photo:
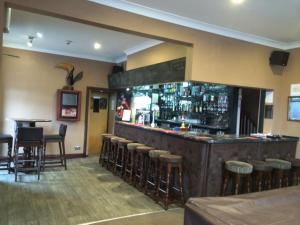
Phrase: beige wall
(157, 54)
(291, 75)
(30, 83)
(213, 58)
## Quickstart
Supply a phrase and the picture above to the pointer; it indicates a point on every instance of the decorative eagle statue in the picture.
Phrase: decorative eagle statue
(70, 79)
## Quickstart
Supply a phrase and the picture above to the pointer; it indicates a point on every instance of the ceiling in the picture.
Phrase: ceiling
(274, 23)
(115, 46)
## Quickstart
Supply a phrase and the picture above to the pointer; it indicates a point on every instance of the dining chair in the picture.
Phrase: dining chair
(31, 140)
(60, 139)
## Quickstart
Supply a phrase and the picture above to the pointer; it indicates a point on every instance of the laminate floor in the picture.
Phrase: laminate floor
(84, 193)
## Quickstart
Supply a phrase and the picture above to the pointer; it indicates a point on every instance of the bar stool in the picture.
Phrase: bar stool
(104, 148)
(30, 138)
(7, 139)
(168, 166)
(120, 155)
(262, 175)
(152, 172)
(296, 171)
(129, 163)
(237, 170)
(281, 169)
(60, 139)
(141, 164)
(111, 159)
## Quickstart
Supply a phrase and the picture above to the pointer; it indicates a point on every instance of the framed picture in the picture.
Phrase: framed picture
(69, 112)
(294, 108)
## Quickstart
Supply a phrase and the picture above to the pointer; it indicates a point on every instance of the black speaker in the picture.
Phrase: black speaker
(279, 58)
(117, 69)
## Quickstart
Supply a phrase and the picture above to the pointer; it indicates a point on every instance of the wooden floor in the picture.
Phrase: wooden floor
(82, 194)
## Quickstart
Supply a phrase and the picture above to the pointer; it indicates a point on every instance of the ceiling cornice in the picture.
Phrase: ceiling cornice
(195, 24)
(142, 46)
(119, 59)
(81, 56)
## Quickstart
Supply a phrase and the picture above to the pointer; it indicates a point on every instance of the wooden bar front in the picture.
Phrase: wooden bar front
(204, 158)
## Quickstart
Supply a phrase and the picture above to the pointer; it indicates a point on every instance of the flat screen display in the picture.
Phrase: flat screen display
(294, 108)
(69, 99)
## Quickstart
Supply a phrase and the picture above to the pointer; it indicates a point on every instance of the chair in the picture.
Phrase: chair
(237, 170)
(6, 139)
(152, 172)
(281, 172)
(104, 148)
(171, 167)
(31, 139)
(60, 139)
(262, 175)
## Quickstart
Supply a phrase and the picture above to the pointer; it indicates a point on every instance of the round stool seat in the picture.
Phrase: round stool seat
(133, 146)
(170, 158)
(296, 163)
(143, 149)
(157, 153)
(106, 135)
(261, 166)
(124, 141)
(279, 164)
(238, 167)
(115, 139)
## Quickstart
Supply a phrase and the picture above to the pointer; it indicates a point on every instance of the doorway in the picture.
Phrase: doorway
(252, 111)
(98, 118)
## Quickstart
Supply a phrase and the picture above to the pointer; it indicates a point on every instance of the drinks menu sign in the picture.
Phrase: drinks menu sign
(295, 89)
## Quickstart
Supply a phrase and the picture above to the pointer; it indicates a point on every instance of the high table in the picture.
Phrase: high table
(29, 122)
(20, 122)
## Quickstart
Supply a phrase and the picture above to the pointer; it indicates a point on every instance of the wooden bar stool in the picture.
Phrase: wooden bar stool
(141, 165)
(104, 148)
(169, 165)
(296, 171)
(262, 175)
(130, 159)
(237, 170)
(112, 152)
(281, 169)
(7, 139)
(120, 155)
(152, 172)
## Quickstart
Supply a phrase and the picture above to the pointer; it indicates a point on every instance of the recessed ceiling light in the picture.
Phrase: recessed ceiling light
(97, 45)
(39, 35)
(29, 44)
(237, 2)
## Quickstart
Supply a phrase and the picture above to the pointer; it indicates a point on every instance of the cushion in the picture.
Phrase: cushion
(53, 138)
(132, 146)
(296, 163)
(143, 149)
(115, 139)
(157, 153)
(106, 135)
(238, 167)
(261, 166)
(279, 164)
(170, 158)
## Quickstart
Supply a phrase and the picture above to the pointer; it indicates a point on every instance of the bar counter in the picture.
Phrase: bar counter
(204, 155)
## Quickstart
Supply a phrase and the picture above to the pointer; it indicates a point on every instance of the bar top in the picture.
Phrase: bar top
(209, 138)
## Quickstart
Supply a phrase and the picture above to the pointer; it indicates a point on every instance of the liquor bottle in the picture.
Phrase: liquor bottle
(200, 108)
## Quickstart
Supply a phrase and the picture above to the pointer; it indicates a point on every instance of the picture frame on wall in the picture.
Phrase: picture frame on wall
(294, 108)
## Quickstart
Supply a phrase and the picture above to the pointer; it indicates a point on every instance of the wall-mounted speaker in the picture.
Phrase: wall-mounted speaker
(279, 58)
